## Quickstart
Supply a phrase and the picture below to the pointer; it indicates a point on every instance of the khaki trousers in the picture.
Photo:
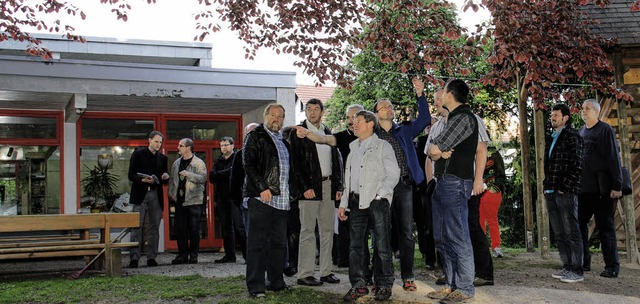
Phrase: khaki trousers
(322, 212)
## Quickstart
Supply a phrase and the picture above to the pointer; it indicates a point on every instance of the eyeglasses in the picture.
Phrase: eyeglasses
(390, 107)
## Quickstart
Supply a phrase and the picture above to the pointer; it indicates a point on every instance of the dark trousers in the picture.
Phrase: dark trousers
(378, 217)
(603, 208)
(266, 246)
(187, 225)
(563, 216)
(428, 247)
(402, 216)
(481, 253)
(342, 242)
(293, 234)
(232, 227)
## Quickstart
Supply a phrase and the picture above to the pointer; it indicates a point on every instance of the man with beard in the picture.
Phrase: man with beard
(268, 187)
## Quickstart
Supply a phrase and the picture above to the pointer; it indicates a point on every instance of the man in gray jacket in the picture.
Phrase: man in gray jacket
(371, 173)
(186, 190)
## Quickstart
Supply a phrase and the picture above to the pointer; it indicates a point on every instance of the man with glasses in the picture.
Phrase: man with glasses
(401, 136)
(147, 172)
(186, 190)
(229, 213)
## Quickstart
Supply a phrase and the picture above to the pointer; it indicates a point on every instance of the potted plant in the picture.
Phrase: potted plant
(99, 188)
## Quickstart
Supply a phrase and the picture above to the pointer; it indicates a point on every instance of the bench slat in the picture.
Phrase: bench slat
(50, 254)
(123, 245)
(48, 243)
(51, 248)
(43, 237)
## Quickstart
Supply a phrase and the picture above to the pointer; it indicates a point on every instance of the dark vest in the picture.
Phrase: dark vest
(461, 162)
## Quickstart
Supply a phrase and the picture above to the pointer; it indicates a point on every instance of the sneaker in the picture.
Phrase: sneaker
(383, 294)
(497, 253)
(477, 282)
(572, 277)
(560, 274)
(257, 295)
(440, 293)
(409, 285)
(455, 297)
(354, 293)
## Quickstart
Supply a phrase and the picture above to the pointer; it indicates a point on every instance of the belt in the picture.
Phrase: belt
(324, 178)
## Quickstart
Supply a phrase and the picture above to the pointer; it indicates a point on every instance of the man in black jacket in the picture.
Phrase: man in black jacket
(147, 172)
(320, 168)
(269, 187)
(228, 213)
(562, 169)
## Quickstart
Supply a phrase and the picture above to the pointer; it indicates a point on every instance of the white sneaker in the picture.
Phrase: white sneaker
(560, 274)
(572, 277)
(497, 253)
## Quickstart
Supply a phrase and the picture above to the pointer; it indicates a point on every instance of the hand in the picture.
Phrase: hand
(265, 196)
(418, 86)
(616, 194)
(309, 194)
(301, 132)
(478, 187)
(165, 176)
(338, 195)
(148, 180)
(341, 214)
(446, 154)
(183, 173)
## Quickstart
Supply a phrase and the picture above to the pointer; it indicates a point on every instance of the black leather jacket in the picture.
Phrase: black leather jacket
(305, 158)
(262, 166)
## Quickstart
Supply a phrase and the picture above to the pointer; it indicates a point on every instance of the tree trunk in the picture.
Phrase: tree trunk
(526, 170)
(541, 205)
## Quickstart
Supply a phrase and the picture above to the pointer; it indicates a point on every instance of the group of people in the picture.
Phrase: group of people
(583, 179)
(279, 196)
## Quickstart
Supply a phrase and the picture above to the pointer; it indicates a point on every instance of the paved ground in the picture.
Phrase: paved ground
(500, 293)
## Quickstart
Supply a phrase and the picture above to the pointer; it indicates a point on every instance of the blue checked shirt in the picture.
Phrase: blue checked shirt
(281, 201)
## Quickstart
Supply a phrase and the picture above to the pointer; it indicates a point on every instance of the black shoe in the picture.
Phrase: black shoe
(133, 264)
(179, 260)
(331, 279)
(281, 288)
(225, 259)
(383, 294)
(477, 282)
(430, 266)
(309, 281)
(152, 263)
(586, 268)
(441, 280)
(355, 293)
(290, 271)
(609, 274)
(193, 260)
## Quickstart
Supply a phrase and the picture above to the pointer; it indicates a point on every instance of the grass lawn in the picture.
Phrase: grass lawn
(150, 289)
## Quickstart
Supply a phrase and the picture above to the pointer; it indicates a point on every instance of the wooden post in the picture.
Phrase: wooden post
(526, 170)
(542, 213)
(629, 219)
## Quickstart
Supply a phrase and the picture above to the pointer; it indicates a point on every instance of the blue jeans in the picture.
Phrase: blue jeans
(378, 217)
(563, 215)
(451, 231)
(402, 215)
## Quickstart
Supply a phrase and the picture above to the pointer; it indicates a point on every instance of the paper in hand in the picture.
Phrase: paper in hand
(155, 178)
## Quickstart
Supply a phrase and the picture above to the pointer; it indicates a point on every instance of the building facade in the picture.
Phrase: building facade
(94, 103)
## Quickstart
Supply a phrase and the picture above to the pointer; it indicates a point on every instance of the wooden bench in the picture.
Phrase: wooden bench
(74, 238)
